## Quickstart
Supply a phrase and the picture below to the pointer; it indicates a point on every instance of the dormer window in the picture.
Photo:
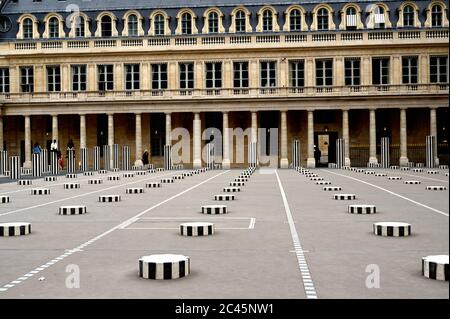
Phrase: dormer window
(213, 22)
(53, 28)
(240, 21)
(295, 20)
(27, 28)
(267, 21)
(351, 18)
(106, 24)
(133, 25)
(80, 28)
(379, 18)
(436, 16)
(408, 16)
(186, 23)
(159, 24)
(322, 19)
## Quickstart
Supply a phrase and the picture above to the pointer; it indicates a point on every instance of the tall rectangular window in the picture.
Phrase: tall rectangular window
(105, 77)
(268, 74)
(159, 76)
(132, 75)
(352, 71)
(78, 77)
(186, 75)
(409, 70)
(297, 73)
(53, 78)
(27, 79)
(324, 72)
(4, 80)
(439, 69)
(380, 71)
(213, 75)
(240, 75)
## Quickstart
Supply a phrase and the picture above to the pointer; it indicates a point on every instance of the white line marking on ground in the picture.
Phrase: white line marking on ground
(80, 195)
(392, 193)
(127, 222)
(304, 270)
(424, 177)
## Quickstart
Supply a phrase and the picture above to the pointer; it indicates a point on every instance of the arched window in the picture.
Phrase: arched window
(106, 24)
(351, 18)
(408, 16)
(213, 23)
(322, 19)
(133, 25)
(240, 21)
(27, 28)
(436, 16)
(267, 21)
(186, 23)
(80, 28)
(379, 18)
(53, 28)
(295, 20)
(159, 24)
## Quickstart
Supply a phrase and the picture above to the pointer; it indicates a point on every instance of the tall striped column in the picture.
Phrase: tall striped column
(70, 161)
(115, 154)
(96, 158)
(210, 155)
(44, 161)
(54, 166)
(372, 137)
(36, 166)
(14, 167)
(252, 157)
(106, 157)
(296, 159)
(340, 152)
(385, 156)
(3, 162)
(430, 151)
(84, 159)
(167, 157)
(126, 158)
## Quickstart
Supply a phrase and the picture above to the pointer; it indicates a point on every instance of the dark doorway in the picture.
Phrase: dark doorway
(268, 122)
(102, 131)
(157, 134)
(22, 151)
(213, 120)
(326, 142)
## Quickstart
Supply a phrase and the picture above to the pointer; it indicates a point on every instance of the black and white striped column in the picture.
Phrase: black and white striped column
(84, 159)
(96, 158)
(296, 159)
(14, 167)
(126, 158)
(252, 155)
(340, 152)
(54, 166)
(115, 154)
(385, 157)
(196, 229)
(164, 267)
(36, 166)
(436, 267)
(44, 161)
(167, 157)
(3, 162)
(70, 161)
(210, 155)
(106, 162)
(430, 151)
(14, 229)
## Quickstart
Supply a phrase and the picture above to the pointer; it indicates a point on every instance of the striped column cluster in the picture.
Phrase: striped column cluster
(84, 159)
(70, 160)
(340, 152)
(430, 146)
(210, 155)
(36, 166)
(106, 157)
(167, 157)
(3, 162)
(296, 155)
(54, 166)
(385, 156)
(44, 161)
(14, 167)
(252, 155)
(126, 158)
(164, 267)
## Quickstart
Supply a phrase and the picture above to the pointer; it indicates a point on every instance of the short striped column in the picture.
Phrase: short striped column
(252, 157)
(36, 166)
(84, 159)
(167, 157)
(3, 162)
(435, 267)
(106, 156)
(115, 155)
(70, 160)
(96, 158)
(126, 158)
(340, 152)
(72, 210)
(392, 229)
(430, 146)
(14, 229)
(362, 209)
(214, 209)
(385, 156)
(14, 167)
(54, 166)
(4, 199)
(196, 229)
(296, 159)
(164, 267)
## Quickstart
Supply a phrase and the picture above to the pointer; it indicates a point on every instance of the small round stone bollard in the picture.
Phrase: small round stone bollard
(435, 267)
(40, 191)
(72, 210)
(14, 229)
(109, 198)
(214, 209)
(362, 209)
(392, 229)
(332, 188)
(4, 199)
(196, 229)
(164, 267)
(224, 197)
(344, 196)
